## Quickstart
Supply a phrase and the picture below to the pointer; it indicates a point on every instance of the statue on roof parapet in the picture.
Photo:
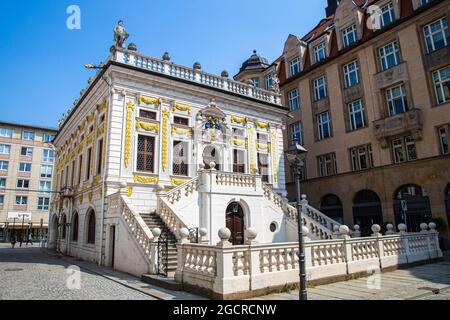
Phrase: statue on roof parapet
(120, 35)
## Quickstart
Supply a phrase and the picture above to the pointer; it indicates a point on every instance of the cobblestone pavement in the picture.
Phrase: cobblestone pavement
(31, 274)
(426, 282)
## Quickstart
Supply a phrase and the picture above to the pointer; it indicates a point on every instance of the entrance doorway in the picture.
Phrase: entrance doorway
(211, 154)
(112, 238)
(367, 211)
(331, 206)
(235, 222)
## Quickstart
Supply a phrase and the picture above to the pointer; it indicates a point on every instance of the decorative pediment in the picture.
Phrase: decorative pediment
(212, 111)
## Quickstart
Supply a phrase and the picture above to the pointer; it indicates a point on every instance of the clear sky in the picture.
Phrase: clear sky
(41, 60)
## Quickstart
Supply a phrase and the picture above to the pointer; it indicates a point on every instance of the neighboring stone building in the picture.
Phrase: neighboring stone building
(26, 170)
(372, 106)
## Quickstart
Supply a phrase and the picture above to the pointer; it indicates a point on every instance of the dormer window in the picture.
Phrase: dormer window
(320, 52)
(269, 81)
(255, 82)
(295, 66)
(387, 14)
(349, 36)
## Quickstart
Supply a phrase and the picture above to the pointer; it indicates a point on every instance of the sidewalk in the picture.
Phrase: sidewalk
(127, 280)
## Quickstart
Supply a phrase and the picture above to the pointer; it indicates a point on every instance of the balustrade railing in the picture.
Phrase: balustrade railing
(170, 218)
(183, 191)
(235, 179)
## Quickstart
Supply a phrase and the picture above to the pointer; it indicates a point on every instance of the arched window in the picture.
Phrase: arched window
(331, 206)
(63, 226)
(91, 227)
(75, 227)
(367, 211)
(417, 205)
(447, 204)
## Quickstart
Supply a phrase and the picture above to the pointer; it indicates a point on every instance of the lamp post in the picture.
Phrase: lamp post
(296, 155)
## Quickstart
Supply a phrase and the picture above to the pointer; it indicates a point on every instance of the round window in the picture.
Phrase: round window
(273, 227)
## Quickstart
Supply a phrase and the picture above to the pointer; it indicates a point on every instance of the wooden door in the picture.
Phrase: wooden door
(235, 222)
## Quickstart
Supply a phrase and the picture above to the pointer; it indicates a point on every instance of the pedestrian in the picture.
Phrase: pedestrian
(13, 240)
(21, 240)
(30, 239)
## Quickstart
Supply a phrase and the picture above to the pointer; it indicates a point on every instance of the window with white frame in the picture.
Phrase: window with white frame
(2, 183)
(146, 154)
(5, 149)
(320, 88)
(404, 149)
(6, 133)
(26, 151)
(294, 103)
(357, 115)
(4, 165)
(88, 164)
(255, 82)
(396, 100)
(351, 74)
(48, 155)
(361, 157)
(46, 171)
(389, 56)
(296, 133)
(269, 81)
(324, 125)
(387, 14)
(99, 157)
(441, 82)
(45, 186)
(28, 135)
(437, 35)
(21, 200)
(2, 200)
(294, 66)
(349, 35)
(80, 168)
(238, 161)
(320, 52)
(444, 138)
(48, 138)
(327, 165)
(24, 167)
(23, 184)
(43, 203)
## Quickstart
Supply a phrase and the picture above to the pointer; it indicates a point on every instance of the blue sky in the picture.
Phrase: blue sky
(41, 60)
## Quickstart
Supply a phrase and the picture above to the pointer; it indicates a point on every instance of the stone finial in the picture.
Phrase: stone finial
(212, 165)
(197, 66)
(423, 227)
(432, 226)
(336, 229)
(184, 235)
(166, 56)
(344, 230)
(250, 235)
(203, 232)
(390, 228)
(156, 232)
(224, 235)
(356, 231)
(224, 74)
(402, 228)
(201, 166)
(132, 47)
(376, 230)
(304, 197)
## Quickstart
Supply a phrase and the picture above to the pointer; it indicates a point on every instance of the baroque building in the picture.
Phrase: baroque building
(368, 91)
(27, 160)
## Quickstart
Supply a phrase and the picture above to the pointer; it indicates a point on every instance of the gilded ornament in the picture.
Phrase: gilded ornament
(128, 133)
(149, 180)
(151, 127)
(165, 137)
(181, 107)
(239, 120)
(150, 101)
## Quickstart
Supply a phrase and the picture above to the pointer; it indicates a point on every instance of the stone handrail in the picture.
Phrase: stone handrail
(170, 218)
(235, 179)
(257, 266)
(194, 75)
(183, 191)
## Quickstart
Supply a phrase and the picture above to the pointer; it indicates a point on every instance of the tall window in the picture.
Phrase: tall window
(263, 165)
(269, 81)
(389, 56)
(351, 74)
(255, 82)
(46, 171)
(441, 81)
(349, 35)
(23, 184)
(294, 66)
(91, 228)
(28, 135)
(327, 165)
(4, 165)
(6, 133)
(294, 103)
(320, 52)
(324, 125)
(75, 225)
(43, 203)
(238, 161)
(396, 100)
(361, 157)
(320, 88)
(24, 167)
(5, 149)
(21, 200)
(444, 138)
(2, 200)
(357, 115)
(146, 154)
(387, 14)
(437, 35)
(88, 163)
(72, 174)
(180, 158)
(45, 186)
(2, 182)
(99, 156)
(26, 151)
(404, 149)
(80, 167)
(48, 138)
(296, 131)
(48, 155)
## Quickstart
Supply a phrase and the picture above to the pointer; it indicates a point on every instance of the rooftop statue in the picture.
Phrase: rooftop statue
(275, 84)
(120, 35)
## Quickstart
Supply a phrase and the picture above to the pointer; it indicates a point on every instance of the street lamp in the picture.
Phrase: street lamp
(296, 155)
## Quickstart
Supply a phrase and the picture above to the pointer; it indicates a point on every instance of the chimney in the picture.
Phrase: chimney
(332, 6)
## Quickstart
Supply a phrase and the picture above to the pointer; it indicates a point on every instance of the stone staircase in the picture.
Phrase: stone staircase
(153, 220)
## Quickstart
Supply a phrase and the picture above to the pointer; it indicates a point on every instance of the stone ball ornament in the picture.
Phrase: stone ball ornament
(390, 226)
(344, 230)
(251, 234)
(212, 165)
(224, 234)
(203, 232)
(224, 74)
(132, 47)
(184, 233)
(424, 226)
(432, 226)
(356, 227)
(376, 228)
(156, 232)
(402, 227)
